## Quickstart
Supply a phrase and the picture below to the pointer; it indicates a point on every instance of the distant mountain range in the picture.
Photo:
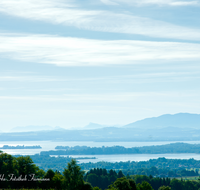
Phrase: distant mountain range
(177, 127)
(181, 120)
(98, 126)
(94, 126)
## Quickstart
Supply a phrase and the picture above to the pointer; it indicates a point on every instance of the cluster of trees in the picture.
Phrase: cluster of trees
(18, 172)
(21, 172)
(162, 172)
(160, 167)
(102, 178)
(46, 162)
(162, 164)
(159, 149)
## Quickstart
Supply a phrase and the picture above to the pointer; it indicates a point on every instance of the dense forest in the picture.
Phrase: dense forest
(21, 172)
(159, 149)
(160, 163)
(160, 167)
(102, 178)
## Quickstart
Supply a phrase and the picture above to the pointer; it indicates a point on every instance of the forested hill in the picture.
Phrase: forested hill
(159, 149)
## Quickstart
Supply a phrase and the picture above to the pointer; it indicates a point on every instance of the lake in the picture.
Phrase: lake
(50, 145)
(134, 157)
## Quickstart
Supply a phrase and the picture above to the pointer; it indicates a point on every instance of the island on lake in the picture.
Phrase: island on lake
(21, 147)
(171, 148)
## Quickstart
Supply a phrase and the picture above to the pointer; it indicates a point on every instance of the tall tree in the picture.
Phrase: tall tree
(123, 184)
(73, 176)
(144, 186)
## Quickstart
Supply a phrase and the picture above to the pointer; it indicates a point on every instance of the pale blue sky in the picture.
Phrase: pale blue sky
(69, 62)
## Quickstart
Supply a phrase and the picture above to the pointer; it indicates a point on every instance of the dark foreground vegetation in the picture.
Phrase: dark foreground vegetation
(21, 172)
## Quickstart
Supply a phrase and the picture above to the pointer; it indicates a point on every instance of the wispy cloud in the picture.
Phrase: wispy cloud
(154, 78)
(134, 78)
(77, 97)
(108, 2)
(28, 79)
(65, 51)
(183, 3)
(70, 14)
(110, 97)
(153, 2)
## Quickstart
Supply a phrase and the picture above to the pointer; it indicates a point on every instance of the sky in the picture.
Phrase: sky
(67, 63)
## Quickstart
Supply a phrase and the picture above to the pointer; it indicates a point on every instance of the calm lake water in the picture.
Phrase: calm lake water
(134, 157)
(50, 145)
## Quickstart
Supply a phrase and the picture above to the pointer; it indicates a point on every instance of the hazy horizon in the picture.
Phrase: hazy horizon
(178, 120)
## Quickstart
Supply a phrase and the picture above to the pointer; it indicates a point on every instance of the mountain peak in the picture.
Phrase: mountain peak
(94, 126)
(182, 120)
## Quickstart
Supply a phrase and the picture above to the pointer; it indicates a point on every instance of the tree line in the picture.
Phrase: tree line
(101, 178)
(21, 172)
(158, 149)
(160, 167)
